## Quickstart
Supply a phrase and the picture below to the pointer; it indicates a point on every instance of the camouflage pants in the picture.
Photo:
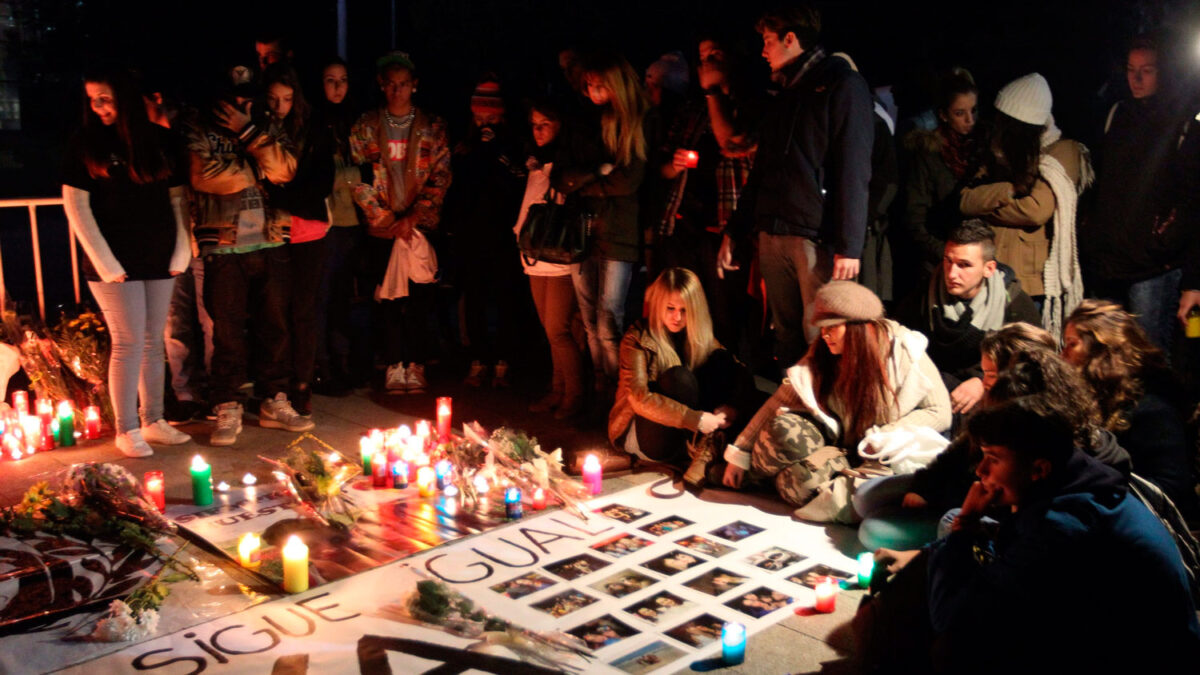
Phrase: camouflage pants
(791, 452)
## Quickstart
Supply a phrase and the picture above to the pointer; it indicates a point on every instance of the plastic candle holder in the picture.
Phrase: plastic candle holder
(733, 643)
(202, 487)
(66, 424)
(91, 423)
(400, 475)
(826, 595)
(365, 448)
(481, 486)
(512, 503)
(425, 482)
(379, 471)
(248, 550)
(593, 475)
(866, 567)
(443, 419)
(539, 499)
(693, 161)
(21, 402)
(156, 488)
(295, 566)
(442, 470)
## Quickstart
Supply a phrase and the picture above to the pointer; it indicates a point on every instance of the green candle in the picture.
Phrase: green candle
(202, 488)
(66, 424)
(866, 568)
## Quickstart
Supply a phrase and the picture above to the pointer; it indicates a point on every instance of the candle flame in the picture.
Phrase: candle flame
(249, 479)
(65, 409)
(198, 463)
(222, 487)
(248, 545)
(294, 548)
(591, 463)
(403, 431)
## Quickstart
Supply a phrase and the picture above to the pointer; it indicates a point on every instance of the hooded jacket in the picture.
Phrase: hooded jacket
(1082, 578)
(812, 169)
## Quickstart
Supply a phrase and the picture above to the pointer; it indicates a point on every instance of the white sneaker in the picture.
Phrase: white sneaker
(162, 433)
(416, 378)
(396, 381)
(229, 424)
(131, 444)
(278, 413)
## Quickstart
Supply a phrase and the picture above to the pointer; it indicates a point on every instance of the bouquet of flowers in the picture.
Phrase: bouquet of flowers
(433, 603)
(513, 457)
(84, 346)
(315, 474)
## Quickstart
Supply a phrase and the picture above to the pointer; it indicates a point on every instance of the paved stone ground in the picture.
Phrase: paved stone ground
(798, 644)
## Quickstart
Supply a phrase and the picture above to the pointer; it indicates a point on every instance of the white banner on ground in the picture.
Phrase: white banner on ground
(647, 581)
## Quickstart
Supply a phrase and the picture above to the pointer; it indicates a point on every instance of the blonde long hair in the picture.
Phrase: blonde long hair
(700, 340)
(621, 121)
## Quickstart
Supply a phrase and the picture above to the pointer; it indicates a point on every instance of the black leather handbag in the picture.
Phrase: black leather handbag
(556, 233)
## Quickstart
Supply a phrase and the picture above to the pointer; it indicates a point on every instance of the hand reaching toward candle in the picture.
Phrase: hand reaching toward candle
(895, 560)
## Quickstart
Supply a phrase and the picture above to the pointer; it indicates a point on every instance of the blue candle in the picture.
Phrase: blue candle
(443, 469)
(512, 503)
(733, 643)
(400, 475)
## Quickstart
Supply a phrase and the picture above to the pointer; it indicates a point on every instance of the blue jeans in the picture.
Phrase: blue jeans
(136, 314)
(1154, 301)
(189, 335)
(600, 287)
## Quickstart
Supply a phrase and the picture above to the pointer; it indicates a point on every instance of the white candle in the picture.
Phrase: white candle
(295, 566)
(248, 547)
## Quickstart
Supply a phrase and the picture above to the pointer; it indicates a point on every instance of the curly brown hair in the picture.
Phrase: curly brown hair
(1016, 338)
(1117, 358)
(1041, 371)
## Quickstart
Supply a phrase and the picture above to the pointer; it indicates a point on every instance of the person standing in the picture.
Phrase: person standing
(807, 195)
(124, 201)
(404, 164)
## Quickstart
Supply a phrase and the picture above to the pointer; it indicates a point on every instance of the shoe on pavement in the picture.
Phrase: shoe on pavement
(162, 433)
(416, 378)
(396, 380)
(131, 444)
(475, 375)
(500, 381)
(229, 424)
(278, 413)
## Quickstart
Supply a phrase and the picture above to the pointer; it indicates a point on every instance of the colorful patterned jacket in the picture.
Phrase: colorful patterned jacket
(426, 166)
(221, 166)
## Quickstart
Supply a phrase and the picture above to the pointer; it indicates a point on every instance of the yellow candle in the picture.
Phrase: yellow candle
(248, 547)
(295, 566)
(425, 482)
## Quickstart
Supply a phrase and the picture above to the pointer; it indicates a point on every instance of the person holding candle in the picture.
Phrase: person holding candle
(1070, 527)
(866, 382)
(124, 201)
(678, 386)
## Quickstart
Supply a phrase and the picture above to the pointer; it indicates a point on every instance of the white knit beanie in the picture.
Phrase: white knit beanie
(1027, 99)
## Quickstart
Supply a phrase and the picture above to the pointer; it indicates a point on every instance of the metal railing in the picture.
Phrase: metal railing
(32, 205)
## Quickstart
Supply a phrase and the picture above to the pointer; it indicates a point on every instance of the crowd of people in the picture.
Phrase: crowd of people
(1018, 391)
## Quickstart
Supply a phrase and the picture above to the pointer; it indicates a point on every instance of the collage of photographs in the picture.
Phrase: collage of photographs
(680, 610)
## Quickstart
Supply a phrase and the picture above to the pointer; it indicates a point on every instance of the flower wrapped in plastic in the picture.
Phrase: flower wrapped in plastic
(84, 346)
(316, 475)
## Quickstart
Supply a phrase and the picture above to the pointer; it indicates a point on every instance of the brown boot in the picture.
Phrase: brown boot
(702, 450)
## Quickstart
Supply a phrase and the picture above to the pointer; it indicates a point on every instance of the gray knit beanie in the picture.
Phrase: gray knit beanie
(845, 301)
(1027, 99)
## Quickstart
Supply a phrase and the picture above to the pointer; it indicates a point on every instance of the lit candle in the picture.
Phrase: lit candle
(248, 547)
(202, 487)
(400, 475)
(403, 432)
(45, 412)
(91, 422)
(866, 567)
(512, 503)
(425, 482)
(66, 424)
(539, 499)
(443, 419)
(222, 487)
(443, 469)
(249, 479)
(156, 489)
(733, 643)
(416, 447)
(21, 401)
(367, 449)
(295, 566)
(693, 161)
(379, 470)
(826, 595)
(32, 427)
(481, 485)
(592, 474)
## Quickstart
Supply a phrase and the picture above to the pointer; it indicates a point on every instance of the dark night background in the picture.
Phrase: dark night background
(46, 44)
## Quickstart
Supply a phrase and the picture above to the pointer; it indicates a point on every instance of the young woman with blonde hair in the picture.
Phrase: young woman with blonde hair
(1132, 384)
(672, 372)
(604, 166)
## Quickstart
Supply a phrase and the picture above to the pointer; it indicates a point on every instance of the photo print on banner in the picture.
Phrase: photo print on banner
(523, 585)
(662, 607)
(702, 630)
(667, 525)
(760, 602)
(625, 514)
(716, 581)
(705, 545)
(604, 631)
(736, 531)
(649, 658)
(813, 575)
(774, 559)
(576, 566)
(564, 603)
(621, 545)
(623, 583)
(673, 563)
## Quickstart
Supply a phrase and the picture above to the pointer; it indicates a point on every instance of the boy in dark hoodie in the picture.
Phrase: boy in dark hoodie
(1078, 577)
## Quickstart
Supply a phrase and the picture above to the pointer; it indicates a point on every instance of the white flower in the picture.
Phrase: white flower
(122, 626)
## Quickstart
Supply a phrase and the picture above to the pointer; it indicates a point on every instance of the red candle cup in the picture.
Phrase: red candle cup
(693, 159)
(21, 402)
(156, 489)
(443, 419)
(826, 595)
(91, 418)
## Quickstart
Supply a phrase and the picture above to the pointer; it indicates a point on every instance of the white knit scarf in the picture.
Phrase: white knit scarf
(1061, 274)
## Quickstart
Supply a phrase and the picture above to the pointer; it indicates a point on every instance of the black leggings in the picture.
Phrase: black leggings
(713, 384)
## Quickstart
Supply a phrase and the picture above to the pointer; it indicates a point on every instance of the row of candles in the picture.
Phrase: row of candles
(23, 433)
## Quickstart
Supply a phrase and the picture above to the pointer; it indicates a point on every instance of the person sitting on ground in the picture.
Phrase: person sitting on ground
(672, 372)
(1030, 595)
(1129, 378)
(973, 296)
(867, 376)
(1018, 360)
